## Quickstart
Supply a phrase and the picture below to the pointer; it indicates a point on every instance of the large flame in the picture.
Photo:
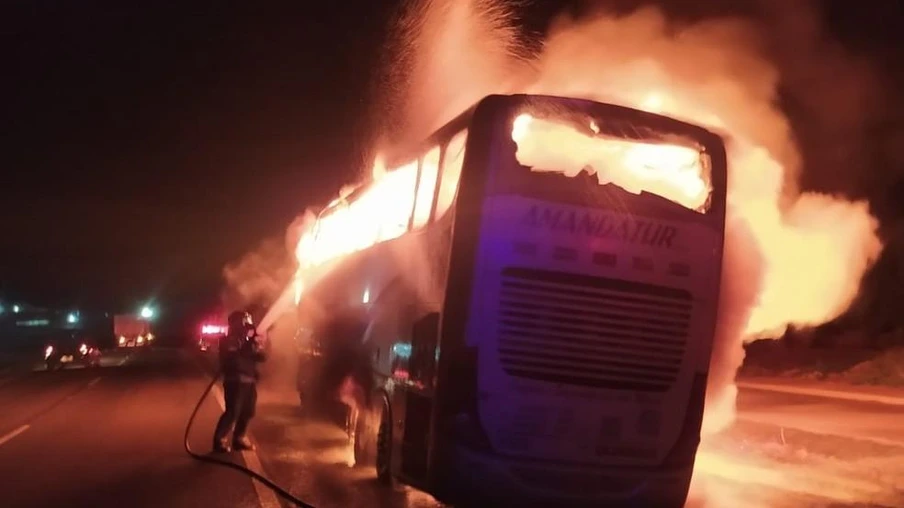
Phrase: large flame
(672, 171)
(815, 248)
(790, 257)
(378, 211)
(382, 208)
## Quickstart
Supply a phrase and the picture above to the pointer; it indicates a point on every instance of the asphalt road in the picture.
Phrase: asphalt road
(112, 436)
(798, 443)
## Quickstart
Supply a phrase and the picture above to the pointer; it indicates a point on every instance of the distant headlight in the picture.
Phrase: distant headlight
(122, 340)
(140, 340)
(83, 349)
(48, 351)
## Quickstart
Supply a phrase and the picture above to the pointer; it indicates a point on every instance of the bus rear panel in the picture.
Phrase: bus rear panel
(579, 317)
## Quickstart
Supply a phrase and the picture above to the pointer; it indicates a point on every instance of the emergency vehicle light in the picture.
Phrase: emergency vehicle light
(213, 330)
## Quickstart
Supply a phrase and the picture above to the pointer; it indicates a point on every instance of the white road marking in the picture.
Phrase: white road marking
(13, 434)
(265, 496)
(93, 382)
(829, 394)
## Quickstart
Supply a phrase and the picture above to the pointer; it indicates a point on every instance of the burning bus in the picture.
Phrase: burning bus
(537, 286)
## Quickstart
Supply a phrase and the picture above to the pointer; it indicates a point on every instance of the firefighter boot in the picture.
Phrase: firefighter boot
(242, 443)
(221, 446)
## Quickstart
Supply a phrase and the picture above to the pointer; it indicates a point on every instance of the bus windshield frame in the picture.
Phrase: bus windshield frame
(584, 189)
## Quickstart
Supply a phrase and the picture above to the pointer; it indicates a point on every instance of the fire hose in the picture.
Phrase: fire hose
(283, 493)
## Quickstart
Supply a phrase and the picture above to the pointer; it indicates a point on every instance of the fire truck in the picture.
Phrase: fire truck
(210, 335)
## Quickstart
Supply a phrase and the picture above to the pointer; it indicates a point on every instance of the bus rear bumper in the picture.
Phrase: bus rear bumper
(490, 478)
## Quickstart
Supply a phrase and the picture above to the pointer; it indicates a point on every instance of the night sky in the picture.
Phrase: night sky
(145, 146)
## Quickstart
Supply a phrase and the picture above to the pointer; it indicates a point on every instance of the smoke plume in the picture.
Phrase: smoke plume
(259, 276)
(447, 55)
(742, 279)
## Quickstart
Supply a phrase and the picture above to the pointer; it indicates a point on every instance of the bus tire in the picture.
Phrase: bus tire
(384, 447)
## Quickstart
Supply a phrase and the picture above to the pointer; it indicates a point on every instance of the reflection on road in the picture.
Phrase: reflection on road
(775, 456)
(311, 458)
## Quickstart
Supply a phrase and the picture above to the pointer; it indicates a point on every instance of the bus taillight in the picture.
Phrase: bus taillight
(213, 330)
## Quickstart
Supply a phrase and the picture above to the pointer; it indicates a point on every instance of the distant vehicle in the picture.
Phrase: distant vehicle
(210, 336)
(132, 331)
(71, 349)
(540, 283)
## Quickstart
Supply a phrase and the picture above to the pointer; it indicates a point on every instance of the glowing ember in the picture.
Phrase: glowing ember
(671, 171)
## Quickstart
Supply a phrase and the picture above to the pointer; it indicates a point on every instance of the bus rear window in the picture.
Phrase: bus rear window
(630, 157)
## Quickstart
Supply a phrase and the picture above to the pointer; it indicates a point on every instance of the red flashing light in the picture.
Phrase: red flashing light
(213, 330)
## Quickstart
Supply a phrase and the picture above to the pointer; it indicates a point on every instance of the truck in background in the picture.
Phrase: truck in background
(132, 331)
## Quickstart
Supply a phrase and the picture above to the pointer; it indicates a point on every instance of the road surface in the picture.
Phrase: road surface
(109, 436)
(798, 443)
(112, 436)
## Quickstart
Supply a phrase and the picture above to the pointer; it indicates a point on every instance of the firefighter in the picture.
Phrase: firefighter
(240, 352)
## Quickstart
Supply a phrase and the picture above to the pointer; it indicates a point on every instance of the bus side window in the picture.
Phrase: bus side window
(453, 158)
(396, 190)
(426, 186)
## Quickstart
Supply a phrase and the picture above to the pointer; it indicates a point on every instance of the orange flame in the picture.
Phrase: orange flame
(380, 210)
(671, 171)
(813, 249)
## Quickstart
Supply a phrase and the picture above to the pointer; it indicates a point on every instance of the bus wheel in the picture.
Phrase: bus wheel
(384, 447)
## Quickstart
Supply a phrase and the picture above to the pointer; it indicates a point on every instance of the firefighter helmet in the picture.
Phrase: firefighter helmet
(239, 319)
